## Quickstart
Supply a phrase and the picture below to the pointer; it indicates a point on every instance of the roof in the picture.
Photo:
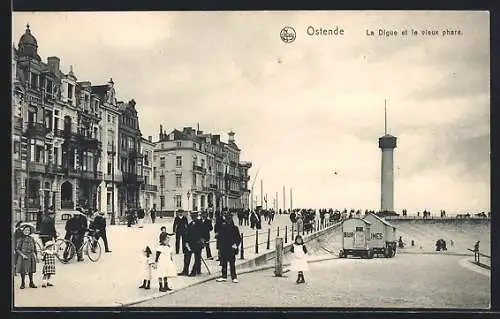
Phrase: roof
(364, 220)
(381, 219)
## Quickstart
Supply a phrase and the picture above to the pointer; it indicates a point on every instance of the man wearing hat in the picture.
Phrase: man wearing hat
(180, 226)
(207, 227)
(76, 227)
(48, 227)
(192, 245)
(99, 225)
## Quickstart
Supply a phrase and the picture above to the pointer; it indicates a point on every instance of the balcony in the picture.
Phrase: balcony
(88, 142)
(133, 178)
(199, 169)
(133, 153)
(110, 178)
(18, 123)
(37, 167)
(233, 192)
(67, 204)
(37, 130)
(59, 133)
(150, 188)
(213, 186)
(55, 169)
(33, 203)
(83, 174)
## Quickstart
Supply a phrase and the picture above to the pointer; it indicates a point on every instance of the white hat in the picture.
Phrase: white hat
(49, 243)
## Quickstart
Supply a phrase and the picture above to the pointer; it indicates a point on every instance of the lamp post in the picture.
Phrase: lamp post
(188, 195)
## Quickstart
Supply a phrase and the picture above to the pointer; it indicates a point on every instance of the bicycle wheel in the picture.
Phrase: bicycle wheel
(65, 250)
(93, 250)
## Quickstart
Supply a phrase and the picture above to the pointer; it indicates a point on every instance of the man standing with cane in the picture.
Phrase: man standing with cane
(207, 227)
(229, 241)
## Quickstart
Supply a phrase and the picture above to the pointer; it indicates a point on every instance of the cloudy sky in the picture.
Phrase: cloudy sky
(303, 110)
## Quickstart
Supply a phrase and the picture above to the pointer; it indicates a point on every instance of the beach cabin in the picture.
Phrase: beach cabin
(382, 236)
(355, 238)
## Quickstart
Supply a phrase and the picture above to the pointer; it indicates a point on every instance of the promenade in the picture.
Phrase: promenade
(114, 279)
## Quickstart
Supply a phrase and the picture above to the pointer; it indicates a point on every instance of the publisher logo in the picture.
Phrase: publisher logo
(288, 34)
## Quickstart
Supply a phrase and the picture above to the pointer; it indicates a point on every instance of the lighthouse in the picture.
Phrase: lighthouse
(387, 144)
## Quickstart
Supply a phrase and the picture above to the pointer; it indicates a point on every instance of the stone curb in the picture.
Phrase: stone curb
(434, 253)
(484, 266)
(251, 265)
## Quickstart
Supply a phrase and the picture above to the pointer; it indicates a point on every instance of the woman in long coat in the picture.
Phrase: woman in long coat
(26, 256)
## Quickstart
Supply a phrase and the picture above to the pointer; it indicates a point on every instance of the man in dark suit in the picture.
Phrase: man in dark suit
(207, 227)
(76, 227)
(230, 239)
(193, 245)
(179, 228)
(100, 225)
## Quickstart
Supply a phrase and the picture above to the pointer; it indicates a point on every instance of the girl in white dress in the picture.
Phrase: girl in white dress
(149, 265)
(165, 267)
(299, 261)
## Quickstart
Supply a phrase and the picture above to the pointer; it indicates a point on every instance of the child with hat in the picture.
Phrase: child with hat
(49, 263)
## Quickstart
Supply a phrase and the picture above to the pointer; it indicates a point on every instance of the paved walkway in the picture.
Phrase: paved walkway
(114, 279)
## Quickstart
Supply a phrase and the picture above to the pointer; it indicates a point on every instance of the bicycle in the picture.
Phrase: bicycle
(60, 245)
(90, 247)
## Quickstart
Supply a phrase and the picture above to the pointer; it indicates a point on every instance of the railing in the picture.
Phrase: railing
(213, 186)
(33, 203)
(150, 188)
(133, 178)
(18, 123)
(67, 204)
(37, 167)
(200, 169)
(59, 133)
(134, 153)
(117, 177)
(37, 130)
(55, 169)
(233, 192)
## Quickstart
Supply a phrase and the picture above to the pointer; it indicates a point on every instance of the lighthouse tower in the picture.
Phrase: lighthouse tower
(387, 144)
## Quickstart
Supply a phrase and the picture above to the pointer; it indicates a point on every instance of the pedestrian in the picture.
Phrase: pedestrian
(152, 213)
(130, 217)
(48, 227)
(476, 251)
(452, 243)
(149, 265)
(229, 241)
(49, 263)
(299, 261)
(207, 227)
(180, 225)
(194, 239)
(300, 224)
(26, 256)
(165, 267)
(76, 227)
(253, 219)
(100, 227)
(140, 217)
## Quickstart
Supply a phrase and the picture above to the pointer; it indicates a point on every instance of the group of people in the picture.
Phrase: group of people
(192, 234)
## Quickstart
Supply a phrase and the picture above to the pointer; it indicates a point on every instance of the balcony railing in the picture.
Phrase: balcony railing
(33, 203)
(117, 178)
(67, 204)
(150, 188)
(88, 142)
(133, 178)
(233, 192)
(55, 169)
(199, 169)
(83, 174)
(37, 167)
(59, 133)
(37, 130)
(133, 153)
(18, 123)
(213, 186)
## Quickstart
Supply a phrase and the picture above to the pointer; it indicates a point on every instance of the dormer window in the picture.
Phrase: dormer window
(49, 87)
(70, 91)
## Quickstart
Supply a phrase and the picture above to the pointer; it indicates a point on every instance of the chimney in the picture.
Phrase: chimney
(161, 132)
(111, 83)
(150, 138)
(231, 136)
(200, 132)
(53, 63)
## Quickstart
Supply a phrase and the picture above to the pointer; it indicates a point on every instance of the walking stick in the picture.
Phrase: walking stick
(208, 269)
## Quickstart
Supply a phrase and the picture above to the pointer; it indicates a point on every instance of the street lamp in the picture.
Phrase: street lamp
(188, 195)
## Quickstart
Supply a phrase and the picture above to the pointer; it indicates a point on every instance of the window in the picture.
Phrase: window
(48, 87)
(178, 201)
(146, 180)
(70, 91)
(202, 163)
(359, 228)
(179, 144)
(178, 161)
(154, 172)
(162, 161)
(146, 158)
(154, 158)
(194, 145)
(34, 80)
(17, 149)
(162, 181)
(109, 118)
(39, 154)
(56, 155)
(194, 179)
(178, 180)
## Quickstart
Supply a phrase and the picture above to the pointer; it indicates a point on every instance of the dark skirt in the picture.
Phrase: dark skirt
(26, 266)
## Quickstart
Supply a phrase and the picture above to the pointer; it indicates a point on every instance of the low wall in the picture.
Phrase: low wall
(264, 258)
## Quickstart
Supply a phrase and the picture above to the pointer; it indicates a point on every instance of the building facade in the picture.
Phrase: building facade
(64, 137)
(195, 171)
(148, 192)
(129, 157)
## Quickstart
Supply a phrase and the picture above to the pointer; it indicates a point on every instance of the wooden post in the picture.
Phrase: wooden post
(257, 241)
(286, 234)
(269, 238)
(278, 231)
(278, 269)
(242, 254)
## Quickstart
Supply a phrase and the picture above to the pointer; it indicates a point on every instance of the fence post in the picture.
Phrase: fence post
(242, 254)
(303, 230)
(278, 268)
(286, 234)
(291, 233)
(257, 241)
(268, 238)
(278, 231)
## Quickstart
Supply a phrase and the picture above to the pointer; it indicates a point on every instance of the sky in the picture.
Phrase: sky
(303, 110)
